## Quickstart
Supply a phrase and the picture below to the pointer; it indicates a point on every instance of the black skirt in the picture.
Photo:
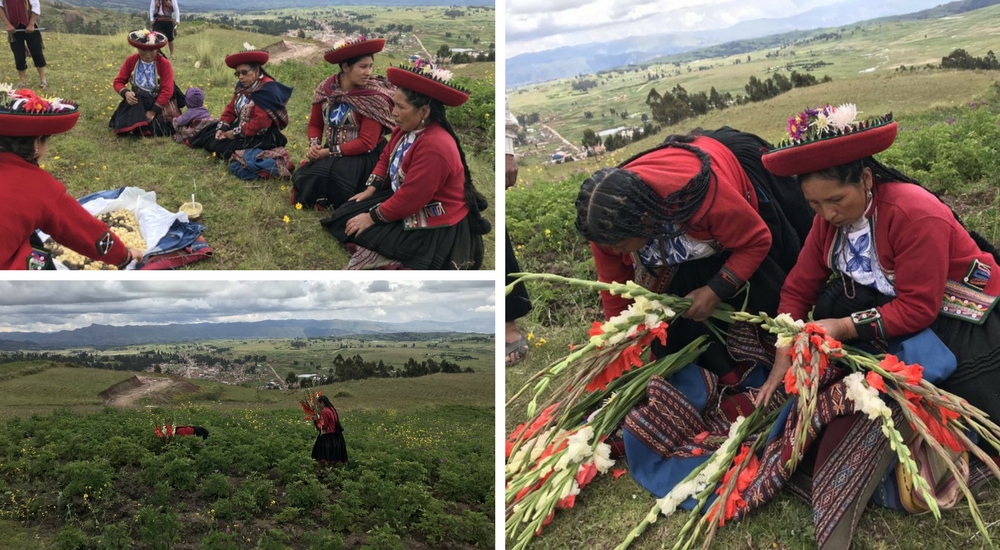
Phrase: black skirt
(976, 347)
(451, 247)
(131, 119)
(269, 139)
(330, 447)
(518, 304)
(333, 180)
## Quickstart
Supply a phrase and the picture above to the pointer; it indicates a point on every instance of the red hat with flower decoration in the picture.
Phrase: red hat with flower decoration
(247, 56)
(430, 80)
(147, 40)
(25, 114)
(346, 49)
(829, 136)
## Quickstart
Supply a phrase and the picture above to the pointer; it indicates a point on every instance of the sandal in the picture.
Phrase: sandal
(43, 84)
(516, 351)
(20, 84)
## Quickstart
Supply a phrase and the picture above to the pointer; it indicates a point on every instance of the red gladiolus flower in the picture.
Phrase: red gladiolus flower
(567, 502)
(701, 437)
(619, 472)
(170, 430)
(875, 380)
(543, 418)
(630, 357)
(596, 329)
(586, 474)
(158, 432)
(912, 374)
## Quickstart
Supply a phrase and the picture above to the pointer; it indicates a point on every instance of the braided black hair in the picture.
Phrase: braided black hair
(23, 147)
(615, 204)
(850, 174)
(473, 198)
(325, 401)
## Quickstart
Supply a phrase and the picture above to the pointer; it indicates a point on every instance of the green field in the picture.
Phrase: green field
(244, 220)
(883, 46)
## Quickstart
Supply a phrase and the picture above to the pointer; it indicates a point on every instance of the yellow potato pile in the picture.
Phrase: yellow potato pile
(122, 223)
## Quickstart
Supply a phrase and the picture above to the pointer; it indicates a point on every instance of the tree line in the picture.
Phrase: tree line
(356, 368)
(961, 59)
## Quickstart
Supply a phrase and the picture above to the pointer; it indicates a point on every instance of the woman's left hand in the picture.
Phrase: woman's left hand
(839, 329)
(359, 223)
(150, 115)
(703, 302)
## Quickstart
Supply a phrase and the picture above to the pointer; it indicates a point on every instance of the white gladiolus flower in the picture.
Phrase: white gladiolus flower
(602, 458)
(572, 490)
(843, 116)
(865, 398)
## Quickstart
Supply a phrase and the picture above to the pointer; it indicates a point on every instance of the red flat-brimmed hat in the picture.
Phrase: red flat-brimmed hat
(259, 57)
(147, 40)
(354, 48)
(24, 114)
(823, 138)
(426, 83)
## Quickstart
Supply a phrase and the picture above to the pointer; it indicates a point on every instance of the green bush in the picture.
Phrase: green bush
(324, 540)
(383, 538)
(180, 473)
(121, 451)
(115, 536)
(253, 494)
(85, 477)
(71, 538)
(305, 493)
(159, 528)
(219, 541)
(216, 486)
(474, 119)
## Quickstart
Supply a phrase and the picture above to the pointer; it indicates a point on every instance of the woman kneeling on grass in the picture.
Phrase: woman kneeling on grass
(32, 199)
(146, 85)
(350, 113)
(420, 209)
(330, 448)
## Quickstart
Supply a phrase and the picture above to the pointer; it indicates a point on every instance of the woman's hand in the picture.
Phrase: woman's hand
(150, 115)
(359, 223)
(369, 191)
(220, 135)
(130, 98)
(839, 329)
(136, 254)
(510, 171)
(317, 152)
(782, 362)
(703, 302)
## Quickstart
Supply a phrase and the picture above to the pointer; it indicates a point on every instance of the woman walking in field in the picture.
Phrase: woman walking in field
(351, 112)
(330, 448)
(420, 209)
(30, 198)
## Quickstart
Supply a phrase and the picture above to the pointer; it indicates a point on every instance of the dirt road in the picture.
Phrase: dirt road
(149, 386)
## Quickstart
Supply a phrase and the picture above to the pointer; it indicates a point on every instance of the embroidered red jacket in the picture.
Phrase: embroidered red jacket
(433, 173)
(164, 75)
(920, 246)
(257, 121)
(369, 132)
(44, 204)
(728, 215)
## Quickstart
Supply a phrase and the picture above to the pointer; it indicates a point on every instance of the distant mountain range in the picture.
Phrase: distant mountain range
(254, 5)
(587, 59)
(105, 335)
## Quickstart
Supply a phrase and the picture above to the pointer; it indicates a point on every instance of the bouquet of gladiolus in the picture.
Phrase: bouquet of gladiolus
(164, 432)
(549, 457)
(310, 407)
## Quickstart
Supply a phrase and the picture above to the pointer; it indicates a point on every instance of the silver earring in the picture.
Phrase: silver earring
(869, 194)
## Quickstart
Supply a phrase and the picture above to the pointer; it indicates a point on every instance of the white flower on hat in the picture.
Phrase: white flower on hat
(339, 44)
(443, 75)
(248, 46)
(151, 38)
(843, 116)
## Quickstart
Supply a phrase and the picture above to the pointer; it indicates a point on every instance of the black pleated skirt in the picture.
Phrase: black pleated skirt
(330, 447)
(131, 119)
(269, 139)
(331, 181)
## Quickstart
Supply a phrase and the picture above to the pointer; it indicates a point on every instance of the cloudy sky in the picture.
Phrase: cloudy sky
(533, 26)
(52, 306)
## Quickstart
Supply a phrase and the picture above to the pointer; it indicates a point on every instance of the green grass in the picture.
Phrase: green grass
(885, 46)
(244, 220)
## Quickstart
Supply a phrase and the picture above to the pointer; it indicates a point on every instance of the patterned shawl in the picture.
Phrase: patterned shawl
(374, 101)
(270, 95)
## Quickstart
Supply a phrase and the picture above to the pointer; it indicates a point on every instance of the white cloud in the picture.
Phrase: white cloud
(485, 309)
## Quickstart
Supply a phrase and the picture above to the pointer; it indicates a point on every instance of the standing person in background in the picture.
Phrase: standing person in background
(164, 17)
(19, 18)
(518, 303)
(330, 448)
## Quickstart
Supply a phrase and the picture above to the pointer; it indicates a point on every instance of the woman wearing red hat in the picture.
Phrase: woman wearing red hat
(26, 124)
(420, 209)
(146, 84)
(255, 115)
(886, 258)
(351, 111)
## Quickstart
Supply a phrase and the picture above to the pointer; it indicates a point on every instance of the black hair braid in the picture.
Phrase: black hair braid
(475, 200)
(23, 147)
(614, 204)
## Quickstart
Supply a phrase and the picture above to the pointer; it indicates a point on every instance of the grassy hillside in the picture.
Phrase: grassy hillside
(876, 47)
(244, 220)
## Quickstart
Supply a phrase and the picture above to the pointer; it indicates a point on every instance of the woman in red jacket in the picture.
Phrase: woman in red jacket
(146, 84)
(351, 111)
(697, 216)
(32, 199)
(330, 448)
(885, 257)
(420, 209)
(255, 115)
